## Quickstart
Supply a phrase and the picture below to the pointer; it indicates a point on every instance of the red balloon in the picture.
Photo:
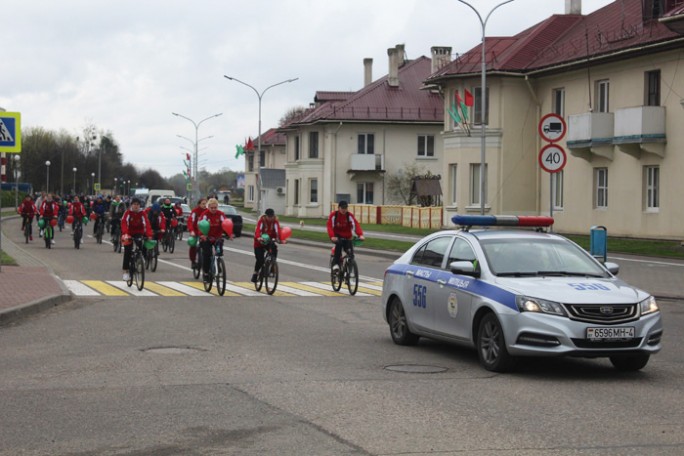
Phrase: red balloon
(93, 216)
(53, 222)
(285, 233)
(227, 226)
(174, 222)
(70, 219)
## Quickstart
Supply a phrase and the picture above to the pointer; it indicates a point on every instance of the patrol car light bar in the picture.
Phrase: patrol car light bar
(502, 220)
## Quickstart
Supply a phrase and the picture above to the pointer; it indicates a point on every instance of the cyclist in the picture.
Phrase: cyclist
(99, 209)
(63, 210)
(116, 211)
(267, 224)
(133, 223)
(169, 211)
(28, 210)
(341, 226)
(213, 236)
(157, 221)
(192, 227)
(49, 210)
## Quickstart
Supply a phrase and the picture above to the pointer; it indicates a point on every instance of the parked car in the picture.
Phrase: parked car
(232, 214)
(513, 292)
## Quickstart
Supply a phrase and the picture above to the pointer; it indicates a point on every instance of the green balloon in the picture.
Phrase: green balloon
(150, 243)
(41, 223)
(265, 238)
(192, 241)
(84, 220)
(203, 226)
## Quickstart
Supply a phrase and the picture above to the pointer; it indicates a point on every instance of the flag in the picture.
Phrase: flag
(462, 105)
(239, 150)
(469, 100)
(249, 145)
(187, 156)
(453, 112)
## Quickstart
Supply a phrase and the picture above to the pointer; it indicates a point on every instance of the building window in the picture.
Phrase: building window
(296, 192)
(250, 193)
(452, 184)
(296, 148)
(557, 188)
(426, 146)
(313, 190)
(313, 144)
(559, 102)
(652, 187)
(601, 187)
(250, 162)
(475, 184)
(366, 143)
(477, 106)
(652, 88)
(262, 159)
(602, 96)
(364, 193)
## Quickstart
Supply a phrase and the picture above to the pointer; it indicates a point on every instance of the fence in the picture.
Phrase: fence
(409, 216)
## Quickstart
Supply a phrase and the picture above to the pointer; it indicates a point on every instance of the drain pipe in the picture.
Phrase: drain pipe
(535, 99)
(333, 181)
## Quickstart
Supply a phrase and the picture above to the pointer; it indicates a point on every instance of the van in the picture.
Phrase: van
(155, 194)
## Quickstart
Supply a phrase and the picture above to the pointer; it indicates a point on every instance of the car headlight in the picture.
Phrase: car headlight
(527, 304)
(648, 306)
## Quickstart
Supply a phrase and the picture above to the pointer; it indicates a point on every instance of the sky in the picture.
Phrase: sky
(125, 66)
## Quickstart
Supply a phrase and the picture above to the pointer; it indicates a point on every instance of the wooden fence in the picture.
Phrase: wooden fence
(410, 216)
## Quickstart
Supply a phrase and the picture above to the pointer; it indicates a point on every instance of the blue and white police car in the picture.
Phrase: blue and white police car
(510, 292)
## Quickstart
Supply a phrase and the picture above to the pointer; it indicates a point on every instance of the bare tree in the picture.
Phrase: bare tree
(400, 184)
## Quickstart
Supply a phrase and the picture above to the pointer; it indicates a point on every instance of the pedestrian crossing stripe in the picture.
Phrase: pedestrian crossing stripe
(119, 288)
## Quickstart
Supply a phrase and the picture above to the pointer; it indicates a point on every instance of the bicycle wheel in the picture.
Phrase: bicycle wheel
(131, 270)
(271, 278)
(197, 267)
(139, 272)
(48, 236)
(77, 237)
(172, 243)
(154, 258)
(165, 242)
(352, 276)
(208, 283)
(220, 276)
(98, 235)
(336, 278)
(27, 232)
(260, 276)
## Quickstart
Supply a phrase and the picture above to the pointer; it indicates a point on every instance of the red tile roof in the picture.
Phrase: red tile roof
(272, 138)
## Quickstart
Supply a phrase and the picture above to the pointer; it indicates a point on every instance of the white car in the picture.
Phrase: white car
(514, 292)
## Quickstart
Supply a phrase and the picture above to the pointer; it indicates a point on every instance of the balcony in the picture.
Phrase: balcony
(640, 129)
(366, 163)
(591, 134)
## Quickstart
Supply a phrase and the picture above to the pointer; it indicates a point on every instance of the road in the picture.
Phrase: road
(301, 375)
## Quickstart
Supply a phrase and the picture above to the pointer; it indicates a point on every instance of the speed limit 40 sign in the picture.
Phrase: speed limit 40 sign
(552, 158)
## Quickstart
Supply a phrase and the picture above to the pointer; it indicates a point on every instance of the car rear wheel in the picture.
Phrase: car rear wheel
(491, 345)
(630, 363)
(401, 335)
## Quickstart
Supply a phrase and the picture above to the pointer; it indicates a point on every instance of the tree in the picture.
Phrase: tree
(151, 178)
(400, 184)
(292, 114)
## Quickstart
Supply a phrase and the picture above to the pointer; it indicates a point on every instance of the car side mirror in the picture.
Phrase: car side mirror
(613, 268)
(465, 268)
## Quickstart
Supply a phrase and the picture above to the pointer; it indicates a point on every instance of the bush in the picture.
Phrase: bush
(7, 199)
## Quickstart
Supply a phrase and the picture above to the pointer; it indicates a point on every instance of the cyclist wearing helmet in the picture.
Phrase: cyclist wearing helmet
(267, 224)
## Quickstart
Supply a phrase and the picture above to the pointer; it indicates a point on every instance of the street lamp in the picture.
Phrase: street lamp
(74, 189)
(115, 180)
(195, 173)
(16, 180)
(260, 96)
(483, 99)
(93, 186)
(47, 182)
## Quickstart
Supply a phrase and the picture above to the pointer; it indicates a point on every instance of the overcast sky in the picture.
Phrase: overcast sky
(126, 65)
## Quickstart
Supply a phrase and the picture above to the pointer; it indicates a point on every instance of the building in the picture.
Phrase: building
(615, 78)
(272, 160)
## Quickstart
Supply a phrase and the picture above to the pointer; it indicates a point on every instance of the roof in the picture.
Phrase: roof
(272, 137)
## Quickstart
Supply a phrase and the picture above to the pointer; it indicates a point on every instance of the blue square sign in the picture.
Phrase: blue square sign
(10, 132)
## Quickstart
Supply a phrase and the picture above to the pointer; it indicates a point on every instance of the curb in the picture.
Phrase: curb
(371, 252)
(22, 311)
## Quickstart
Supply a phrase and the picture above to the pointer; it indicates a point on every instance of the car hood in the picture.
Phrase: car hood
(574, 290)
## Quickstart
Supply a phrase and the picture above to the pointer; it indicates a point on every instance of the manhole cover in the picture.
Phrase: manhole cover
(172, 350)
(416, 368)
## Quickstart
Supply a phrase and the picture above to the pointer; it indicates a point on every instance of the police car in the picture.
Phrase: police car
(510, 292)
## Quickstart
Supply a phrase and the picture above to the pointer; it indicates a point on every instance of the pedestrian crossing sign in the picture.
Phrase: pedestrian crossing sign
(10, 132)
(188, 187)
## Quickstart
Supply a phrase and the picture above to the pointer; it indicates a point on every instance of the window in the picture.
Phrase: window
(313, 190)
(296, 192)
(366, 143)
(432, 253)
(475, 184)
(452, 184)
(364, 193)
(557, 189)
(461, 251)
(250, 162)
(652, 187)
(558, 102)
(262, 159)
(296, 148)
(250, 193)
(601, 187)
(313, 144)
(602, 96)
(652, 88)
(426, 146)
(477, 105)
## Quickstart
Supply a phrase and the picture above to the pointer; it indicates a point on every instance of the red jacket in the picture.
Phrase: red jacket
(49, 209)
(194, 218)
(158, 222)
(270, 228)
(77, 210)
(215, 221)
(342, 226)
(135, 223)
(28, 208)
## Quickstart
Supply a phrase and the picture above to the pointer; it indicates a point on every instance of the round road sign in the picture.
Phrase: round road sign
(552, 158)
(552, 127)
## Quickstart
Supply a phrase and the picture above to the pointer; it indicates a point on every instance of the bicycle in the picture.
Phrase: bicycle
(48, 232)
(99, 229)
(348, 271)
(152, 256)
(136, 265)
(78, 233)
(218, 269)
(180, 228)
(28, 221)
(116, 235)
(197, 267)
(169, 240)
(268, 273)
(60, 220)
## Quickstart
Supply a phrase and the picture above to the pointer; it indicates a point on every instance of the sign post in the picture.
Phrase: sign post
(10, 141)
(552, 157)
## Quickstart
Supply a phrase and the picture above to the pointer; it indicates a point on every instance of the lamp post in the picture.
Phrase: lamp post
(195, 174)
(129, 187)
(260, 96)
(15, 168)
(47, 181)
(115, 180)
(74, 169)
(93, 182)
(483, 99)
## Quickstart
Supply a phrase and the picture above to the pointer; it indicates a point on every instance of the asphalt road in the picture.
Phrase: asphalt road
(293, 375)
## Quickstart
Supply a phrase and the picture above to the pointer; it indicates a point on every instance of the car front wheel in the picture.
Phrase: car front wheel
(630, 363)
(491, 345)
(401, 335)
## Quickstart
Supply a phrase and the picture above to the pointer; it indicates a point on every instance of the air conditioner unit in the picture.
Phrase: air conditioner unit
(280, 190)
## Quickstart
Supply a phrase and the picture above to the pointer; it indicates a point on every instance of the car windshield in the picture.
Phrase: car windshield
(227, 209)
(520, 257)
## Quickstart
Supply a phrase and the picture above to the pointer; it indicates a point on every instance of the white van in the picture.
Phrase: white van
(155, 194)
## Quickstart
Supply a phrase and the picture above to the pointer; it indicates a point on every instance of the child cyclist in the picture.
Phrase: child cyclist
(133, 223)
(192, 228)
(213, 236)
(341, 225)
(267, 224)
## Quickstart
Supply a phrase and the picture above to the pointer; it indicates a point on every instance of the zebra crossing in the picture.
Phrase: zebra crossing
(119, 288)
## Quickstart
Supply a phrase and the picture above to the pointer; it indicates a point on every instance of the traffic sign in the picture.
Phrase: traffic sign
(552, 158)
(552, 127)
(96, 187)
(10, 132)
(188, 187)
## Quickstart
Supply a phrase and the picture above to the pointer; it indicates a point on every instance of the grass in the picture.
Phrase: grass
(6, 260)
(644, 247)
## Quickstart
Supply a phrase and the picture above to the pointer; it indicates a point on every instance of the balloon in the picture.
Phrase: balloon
(70, 219)
(150, 243)
(192, 241)
(174, 223)
(84, 220)
(203, 226)
(227, 226)
(41, 223)
(53, 222)
(265, 238)
(93, 216)
(285, 233)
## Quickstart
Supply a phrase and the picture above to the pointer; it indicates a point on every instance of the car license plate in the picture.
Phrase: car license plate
(624, 332)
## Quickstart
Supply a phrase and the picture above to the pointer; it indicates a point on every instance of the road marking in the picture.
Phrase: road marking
(190, 291)
(278, 291)
(372, 286)
(104, 288)
(161, 290)
(79, 289)
(200, 286)
(327, 286)
(371, 291)
(284, 286)
(132, 289)
(317, 290)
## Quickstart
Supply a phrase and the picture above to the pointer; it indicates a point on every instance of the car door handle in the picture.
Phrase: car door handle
(441, 282)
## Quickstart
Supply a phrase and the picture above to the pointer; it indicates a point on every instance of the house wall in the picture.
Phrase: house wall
(276, 157)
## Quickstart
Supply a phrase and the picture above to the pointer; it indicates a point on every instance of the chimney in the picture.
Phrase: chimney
(441, 56)
(573, 6)
(393, 75)
(367, 71)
